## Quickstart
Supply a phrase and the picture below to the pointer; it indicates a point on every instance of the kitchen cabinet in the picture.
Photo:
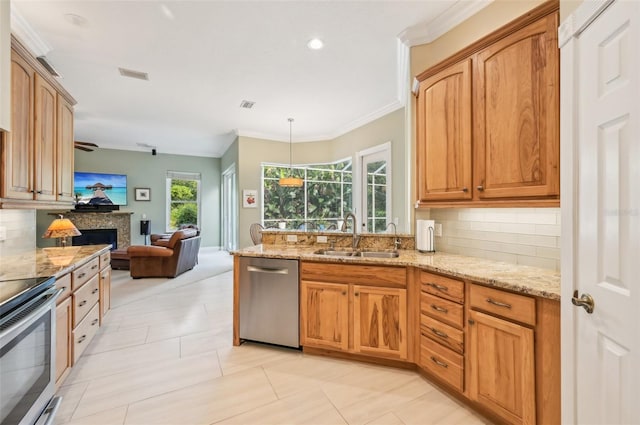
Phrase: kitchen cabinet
(64, 324)
(105, 284)
(5, 66)
(442, 333)
(517, 118)
(444, 131)
(502, 353)
(487, 119)
(37, 155)
(359, 309)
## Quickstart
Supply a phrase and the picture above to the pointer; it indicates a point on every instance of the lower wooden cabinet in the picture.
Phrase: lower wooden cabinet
(324, 315)
(501, 360)
(64, 323)
(105, 291)
(343, 314)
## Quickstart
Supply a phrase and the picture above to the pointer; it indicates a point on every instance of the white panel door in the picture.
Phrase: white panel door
(606, 219)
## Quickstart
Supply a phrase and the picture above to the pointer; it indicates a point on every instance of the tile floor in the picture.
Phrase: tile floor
(164, 356)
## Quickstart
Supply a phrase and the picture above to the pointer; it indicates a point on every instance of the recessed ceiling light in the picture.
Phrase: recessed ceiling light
(315, 44)
(76, 19)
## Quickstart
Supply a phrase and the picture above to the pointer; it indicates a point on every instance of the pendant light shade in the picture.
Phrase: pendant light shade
(290, 181)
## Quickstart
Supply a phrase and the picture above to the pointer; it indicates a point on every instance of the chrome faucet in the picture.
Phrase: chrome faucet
(356, 237)
(396, 242)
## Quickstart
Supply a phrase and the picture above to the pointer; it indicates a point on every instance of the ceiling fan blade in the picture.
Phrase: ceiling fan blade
(83, 148)
(85, 143)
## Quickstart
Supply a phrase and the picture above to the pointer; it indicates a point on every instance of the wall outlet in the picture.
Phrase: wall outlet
(292, 238)
(3, 233)
(321, 239)
(438, 230)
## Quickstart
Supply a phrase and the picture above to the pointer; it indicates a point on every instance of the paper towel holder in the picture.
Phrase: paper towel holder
(432, 239)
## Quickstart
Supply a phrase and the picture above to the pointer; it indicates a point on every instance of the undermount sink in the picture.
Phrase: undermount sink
(364, 254)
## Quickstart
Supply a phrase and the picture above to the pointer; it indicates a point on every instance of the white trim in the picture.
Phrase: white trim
(403, 69)
(359, 183)
(230, 232)
(27, 35)
(426, 33)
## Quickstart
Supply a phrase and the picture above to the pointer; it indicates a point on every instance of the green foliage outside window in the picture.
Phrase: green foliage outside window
(184, 203)
(325, 197)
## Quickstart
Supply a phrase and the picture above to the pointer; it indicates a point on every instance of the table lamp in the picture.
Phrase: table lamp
(61, 228)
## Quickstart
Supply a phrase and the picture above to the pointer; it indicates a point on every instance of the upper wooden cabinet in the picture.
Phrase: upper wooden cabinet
(516, 107)
(444, 129)
(37, 155)
(487, 123)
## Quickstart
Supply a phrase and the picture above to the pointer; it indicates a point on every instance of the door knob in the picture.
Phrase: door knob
(585, 301)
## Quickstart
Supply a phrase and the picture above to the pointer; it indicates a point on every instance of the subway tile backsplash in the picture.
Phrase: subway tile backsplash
(527, 236)
(20, 229)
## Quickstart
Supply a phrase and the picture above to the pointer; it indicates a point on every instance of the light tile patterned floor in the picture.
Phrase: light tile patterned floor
(164, 356)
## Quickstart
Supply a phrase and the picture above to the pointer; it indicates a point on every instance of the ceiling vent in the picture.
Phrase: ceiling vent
(43, 60)
(134, 74)
(247, 104)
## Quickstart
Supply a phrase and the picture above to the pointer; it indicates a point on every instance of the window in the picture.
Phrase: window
(325, 197)
(183, 199)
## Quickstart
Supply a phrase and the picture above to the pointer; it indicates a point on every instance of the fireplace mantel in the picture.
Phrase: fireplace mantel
(104, 220)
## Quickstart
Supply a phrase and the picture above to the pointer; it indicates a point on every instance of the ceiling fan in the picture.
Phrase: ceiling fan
(84, 146)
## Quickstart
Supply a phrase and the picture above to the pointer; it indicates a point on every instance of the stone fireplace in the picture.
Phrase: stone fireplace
(121, 221)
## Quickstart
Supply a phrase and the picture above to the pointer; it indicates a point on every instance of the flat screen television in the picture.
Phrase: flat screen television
(100, 188)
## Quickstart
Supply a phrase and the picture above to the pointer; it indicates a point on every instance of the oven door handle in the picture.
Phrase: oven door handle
(29, 312)
(49, 413)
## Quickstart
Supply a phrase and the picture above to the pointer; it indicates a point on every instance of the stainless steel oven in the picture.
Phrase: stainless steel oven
(27, 351)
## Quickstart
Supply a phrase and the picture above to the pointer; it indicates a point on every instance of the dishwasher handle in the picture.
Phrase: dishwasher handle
(255, 269)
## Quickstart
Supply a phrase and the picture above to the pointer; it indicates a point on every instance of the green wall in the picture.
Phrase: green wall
(146, 170)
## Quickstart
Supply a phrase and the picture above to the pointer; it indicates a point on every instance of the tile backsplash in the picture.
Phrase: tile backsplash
(19, 226)
(527, 236)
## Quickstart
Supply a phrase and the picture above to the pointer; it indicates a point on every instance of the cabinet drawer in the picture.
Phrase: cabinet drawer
(85, 331)
(84, 273)
(443, 310)
(442, 333)
(105, 260)
(64, 283)
(85, 298)
(358, 274)
(506, 304)
(442, 362)
(442, 286)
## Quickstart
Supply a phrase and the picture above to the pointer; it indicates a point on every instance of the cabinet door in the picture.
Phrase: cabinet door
(516, 114)
(380, 321)
(501, 359)
(105, 291)
(45, 140)
(17, 152)
(63, 338)
(324, 315)
(444, 135)
(64, 151)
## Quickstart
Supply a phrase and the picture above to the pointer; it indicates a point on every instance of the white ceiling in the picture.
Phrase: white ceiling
(204, 57)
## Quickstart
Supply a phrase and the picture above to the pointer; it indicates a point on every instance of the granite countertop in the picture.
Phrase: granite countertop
(523, 279)
(44, 262)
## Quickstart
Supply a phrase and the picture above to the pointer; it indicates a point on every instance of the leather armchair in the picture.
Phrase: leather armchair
(178, 256)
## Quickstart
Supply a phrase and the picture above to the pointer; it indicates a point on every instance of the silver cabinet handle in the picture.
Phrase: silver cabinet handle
(480, 188)
(439, 333)
(439, 363)
(438, 308)
(464, 189)
(255, 269)
(94, 291)
(81, 303)
(82, 338)
(498, 303)
(440, 288)
(93, 323)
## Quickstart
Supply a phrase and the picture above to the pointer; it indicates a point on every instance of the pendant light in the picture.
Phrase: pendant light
(290, 181)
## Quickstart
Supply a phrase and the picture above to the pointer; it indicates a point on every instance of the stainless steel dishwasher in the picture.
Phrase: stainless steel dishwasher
(269, 299)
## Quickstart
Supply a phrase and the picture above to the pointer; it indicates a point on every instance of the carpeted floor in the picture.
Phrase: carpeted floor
(124, 289)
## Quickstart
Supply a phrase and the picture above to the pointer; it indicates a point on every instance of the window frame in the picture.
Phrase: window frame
(182, 175)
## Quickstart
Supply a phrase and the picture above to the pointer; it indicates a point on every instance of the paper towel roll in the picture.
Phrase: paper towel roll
(424, 235)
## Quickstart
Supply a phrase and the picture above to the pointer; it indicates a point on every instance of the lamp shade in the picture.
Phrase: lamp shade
(61, 228)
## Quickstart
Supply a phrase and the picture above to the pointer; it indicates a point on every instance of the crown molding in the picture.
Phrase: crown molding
(27, 35)
(427, 32)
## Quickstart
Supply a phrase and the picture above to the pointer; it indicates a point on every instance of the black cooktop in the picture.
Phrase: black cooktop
(16, 292)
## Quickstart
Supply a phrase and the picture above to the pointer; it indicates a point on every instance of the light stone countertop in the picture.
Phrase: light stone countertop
(523, 279)
(44, 262)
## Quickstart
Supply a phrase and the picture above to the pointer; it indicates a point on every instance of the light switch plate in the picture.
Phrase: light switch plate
(292, 238)
(3, 233)
(321, 239)
(438, 229)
